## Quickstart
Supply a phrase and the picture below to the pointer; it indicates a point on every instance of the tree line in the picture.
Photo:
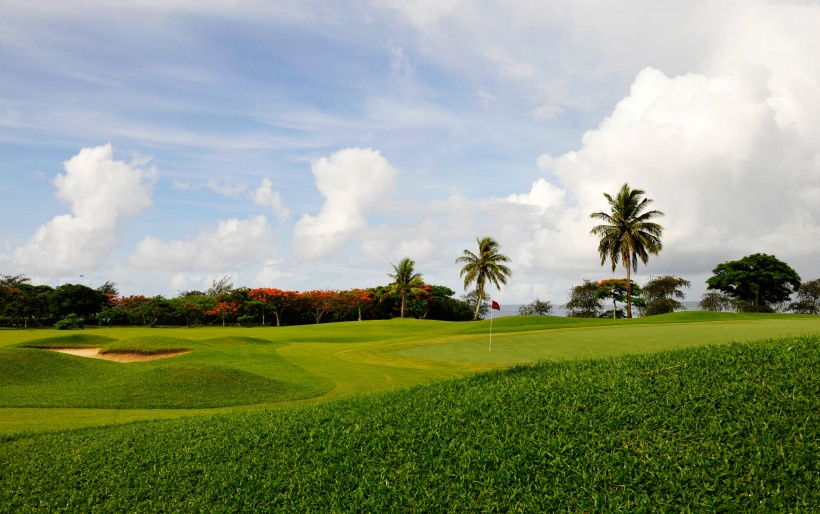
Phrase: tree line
(628, 234)
(23, 304)
(73, 305)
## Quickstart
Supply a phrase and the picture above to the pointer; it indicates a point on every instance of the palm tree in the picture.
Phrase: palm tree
(405, 280)
(628, 233)
(485, 266)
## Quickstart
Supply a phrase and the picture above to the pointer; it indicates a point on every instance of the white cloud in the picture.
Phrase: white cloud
(726, 155)
(220, 187)
(103, 194)
(543, 195)
(232, 242)
(265, 196)
(353, 181)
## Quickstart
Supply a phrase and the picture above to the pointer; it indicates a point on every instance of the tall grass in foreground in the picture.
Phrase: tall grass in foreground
(731, 428)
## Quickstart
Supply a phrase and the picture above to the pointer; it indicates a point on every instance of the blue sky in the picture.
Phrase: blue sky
(164, 144)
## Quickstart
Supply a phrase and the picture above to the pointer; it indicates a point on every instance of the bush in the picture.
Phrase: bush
(245, 321)
(69, 322)
(536, 308)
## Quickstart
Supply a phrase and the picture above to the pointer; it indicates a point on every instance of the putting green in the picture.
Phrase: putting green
(591, 342)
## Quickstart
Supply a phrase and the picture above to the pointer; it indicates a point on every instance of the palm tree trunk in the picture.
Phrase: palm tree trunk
(629, 291)
(479, 297)
(402, 304)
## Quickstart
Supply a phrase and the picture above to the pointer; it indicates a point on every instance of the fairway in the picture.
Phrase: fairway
(593, 342)
(229, 369)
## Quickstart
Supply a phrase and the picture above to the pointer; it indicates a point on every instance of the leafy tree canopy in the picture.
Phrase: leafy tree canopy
(661, 295)
(536, 308)
(584, 301)
(220, 287)
(715, 301)
(616, 289)
(808, 298)
(758, 281)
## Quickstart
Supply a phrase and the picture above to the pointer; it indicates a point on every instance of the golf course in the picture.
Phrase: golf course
(684, 411)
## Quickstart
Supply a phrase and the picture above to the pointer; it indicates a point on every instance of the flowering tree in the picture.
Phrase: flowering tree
(355, 299)
(319, 302)
(24, 302)
(131, 305)
(273, 300)
(224, 310)
(193, 308)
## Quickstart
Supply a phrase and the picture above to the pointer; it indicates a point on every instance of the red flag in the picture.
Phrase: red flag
(496, 306)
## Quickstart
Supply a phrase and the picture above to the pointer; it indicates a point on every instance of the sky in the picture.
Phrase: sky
(164, 144)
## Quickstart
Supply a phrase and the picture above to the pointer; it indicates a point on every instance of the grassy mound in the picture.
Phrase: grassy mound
(730, 428)
(148, 345)
(70, 341)
(36, 378)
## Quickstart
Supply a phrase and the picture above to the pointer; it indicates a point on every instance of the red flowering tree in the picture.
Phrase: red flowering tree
(24, 302)
(319, 302)
(132, 306)
(224, 310)
(273, 300)
(355, 299)
(193, 308)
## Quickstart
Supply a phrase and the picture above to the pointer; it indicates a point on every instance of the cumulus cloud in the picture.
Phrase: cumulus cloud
(353, 181)
(728, 154)
(265, 196)
(103, 193)
(233, 241)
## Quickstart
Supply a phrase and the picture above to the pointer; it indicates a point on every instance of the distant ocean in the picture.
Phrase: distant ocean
(512, 310)
(558, 310)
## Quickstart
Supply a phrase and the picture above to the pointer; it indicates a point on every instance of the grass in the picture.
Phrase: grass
(239, 368)
(728, 428)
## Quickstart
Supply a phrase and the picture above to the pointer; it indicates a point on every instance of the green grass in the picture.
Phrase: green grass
(208, 377)
(721, 428)
(250, 368)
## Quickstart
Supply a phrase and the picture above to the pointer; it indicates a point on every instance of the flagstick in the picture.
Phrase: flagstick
(491, 331)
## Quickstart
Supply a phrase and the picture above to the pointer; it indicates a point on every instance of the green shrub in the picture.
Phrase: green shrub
(70, 322)
(245, 321)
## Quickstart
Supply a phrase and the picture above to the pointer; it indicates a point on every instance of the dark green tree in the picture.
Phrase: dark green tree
(808, 298)
(77, 299)
(537, 308)
(220, 287)
(109, 288)
(758, 281)
(661, 295)
(583, 301)
(616, 289)
(715, 301)
(628, 232)
(472, 301)
(486, 266)
(7, 281)
(443, 305)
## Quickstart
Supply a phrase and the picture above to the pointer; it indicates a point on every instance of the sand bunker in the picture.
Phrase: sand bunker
(94, 353)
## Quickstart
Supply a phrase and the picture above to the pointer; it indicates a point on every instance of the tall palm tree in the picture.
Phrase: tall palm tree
(485, 266)
(405, 279)
(628, 233)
